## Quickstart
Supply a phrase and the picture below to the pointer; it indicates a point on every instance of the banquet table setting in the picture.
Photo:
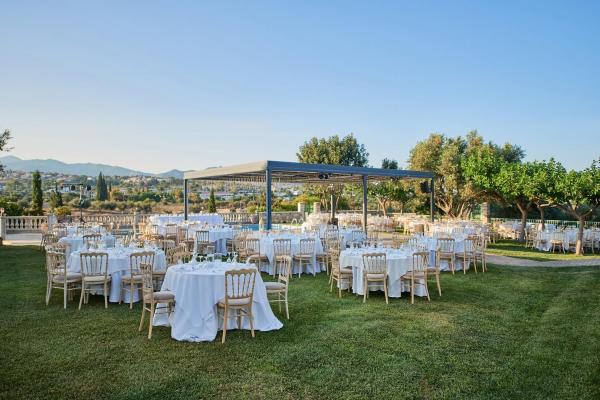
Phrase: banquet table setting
(118, 266)
(399, 262)
(267, 248)
(198, 287)
(75, 241)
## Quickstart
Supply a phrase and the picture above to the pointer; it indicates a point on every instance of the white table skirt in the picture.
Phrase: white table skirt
(198, 288)
(397, 265)
(118, 266)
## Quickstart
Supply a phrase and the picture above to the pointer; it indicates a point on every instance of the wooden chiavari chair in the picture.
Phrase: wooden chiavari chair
(239, 294)
(151, 298)
(94, 272)
(59, 277)
(417, 276)
(134, 278)
(445, 251)
(305, 254)
(374, 271)
(279, 289)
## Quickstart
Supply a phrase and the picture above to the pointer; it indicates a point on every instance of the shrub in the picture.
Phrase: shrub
(11, 208)
(63, 211)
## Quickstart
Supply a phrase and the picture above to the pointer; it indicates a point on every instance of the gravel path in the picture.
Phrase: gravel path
(520, 262)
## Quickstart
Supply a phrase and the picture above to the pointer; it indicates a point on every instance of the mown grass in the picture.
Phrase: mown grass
(512, 248)
(509, 333)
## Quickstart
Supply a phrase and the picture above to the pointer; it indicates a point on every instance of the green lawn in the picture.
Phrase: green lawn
(510, 333)
(513, 248)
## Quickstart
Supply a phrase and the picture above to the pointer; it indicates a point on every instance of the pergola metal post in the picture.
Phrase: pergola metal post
(431, 200)
(185, 199)
(268, 198)
(332, 208)
(364, 188)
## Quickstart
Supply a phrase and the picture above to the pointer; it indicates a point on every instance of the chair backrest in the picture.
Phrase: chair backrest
(154, 230)
(284, 268)
(49, 238)
(307, 247)
(167, 244)
(420, 261)
(147, 281)
(239, 284)
(94, 264)
(124, 237)
(172, 255)
(252, 246)
(374, 263)
(445, 245)
(469, 245)
(358, 235)
(139, 258)
(282, 247)
(372, 236)
(171, 230)
(56, 263)
(333, 245)
(92, 238)
(202, 236)
(182, 233)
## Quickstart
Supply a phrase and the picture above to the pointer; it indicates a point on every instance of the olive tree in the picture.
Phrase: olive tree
(578, 194)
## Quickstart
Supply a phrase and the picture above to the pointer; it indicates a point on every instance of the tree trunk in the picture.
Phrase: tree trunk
(542, 218)
(523, 223)
(579, 248)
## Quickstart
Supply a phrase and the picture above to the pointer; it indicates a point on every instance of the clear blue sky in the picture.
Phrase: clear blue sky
(156, 86)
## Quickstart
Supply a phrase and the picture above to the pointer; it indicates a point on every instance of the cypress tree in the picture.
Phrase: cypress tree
(37, 197)
(212, 203)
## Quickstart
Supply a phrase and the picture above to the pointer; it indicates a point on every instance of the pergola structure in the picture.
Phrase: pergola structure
(268, 172)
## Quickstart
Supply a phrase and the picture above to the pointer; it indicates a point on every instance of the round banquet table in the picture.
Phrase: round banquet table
(118, 266)
(399, 262)
(266, 248)
(198, 287)
(75, 242)
(72, 229)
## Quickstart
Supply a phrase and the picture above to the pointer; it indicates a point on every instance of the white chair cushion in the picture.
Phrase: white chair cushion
(275, 286)
(70, 276)
(163, 295)
(234, 302)
(95, 279)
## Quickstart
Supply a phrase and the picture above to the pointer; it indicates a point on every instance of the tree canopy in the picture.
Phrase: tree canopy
(4, 138)
(458, 163)
(333, 150)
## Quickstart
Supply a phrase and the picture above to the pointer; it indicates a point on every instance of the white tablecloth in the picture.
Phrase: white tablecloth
(398, 263)
(198, 288)
(211, 219)
(75, 242)
(118, 266)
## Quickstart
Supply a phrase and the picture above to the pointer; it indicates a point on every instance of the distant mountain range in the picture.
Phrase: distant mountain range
(89, 169)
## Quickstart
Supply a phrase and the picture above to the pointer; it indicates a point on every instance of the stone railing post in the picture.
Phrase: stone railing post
(2, 228)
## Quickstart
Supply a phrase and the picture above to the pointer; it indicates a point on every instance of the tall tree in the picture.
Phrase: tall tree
(455, 193)
(336, 151)
(101, 189)
(37, 197)
(4, 138)
(578, 194)
(389, 190)
(56, 199)
(542, 178)
(212, 202)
